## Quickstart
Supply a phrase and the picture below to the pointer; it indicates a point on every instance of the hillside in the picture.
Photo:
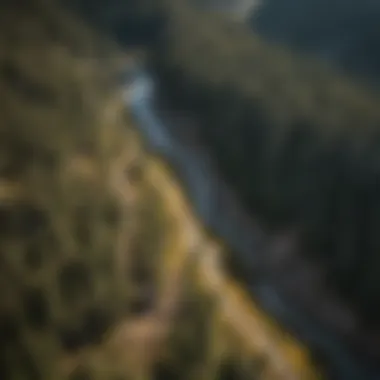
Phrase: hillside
(105, 271)
(298, 141)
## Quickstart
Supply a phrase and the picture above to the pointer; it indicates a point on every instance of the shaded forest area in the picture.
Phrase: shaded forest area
(296, 139)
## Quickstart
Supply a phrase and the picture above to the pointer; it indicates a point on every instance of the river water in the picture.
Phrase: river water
(171, 135)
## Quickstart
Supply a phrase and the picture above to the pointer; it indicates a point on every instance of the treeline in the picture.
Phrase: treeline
(299, 142)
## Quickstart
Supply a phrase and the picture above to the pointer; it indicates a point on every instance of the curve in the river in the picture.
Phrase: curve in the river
(221, 213)
(206, 191)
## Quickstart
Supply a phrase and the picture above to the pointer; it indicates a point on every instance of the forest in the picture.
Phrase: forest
(297, 139)
(105, 270)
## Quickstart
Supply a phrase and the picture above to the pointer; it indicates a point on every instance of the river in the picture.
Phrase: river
(171, 135)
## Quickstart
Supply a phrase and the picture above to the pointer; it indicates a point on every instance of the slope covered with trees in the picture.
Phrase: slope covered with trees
(298, 140)
(104, 268)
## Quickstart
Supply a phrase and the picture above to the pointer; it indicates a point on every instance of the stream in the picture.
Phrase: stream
(217, 207)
